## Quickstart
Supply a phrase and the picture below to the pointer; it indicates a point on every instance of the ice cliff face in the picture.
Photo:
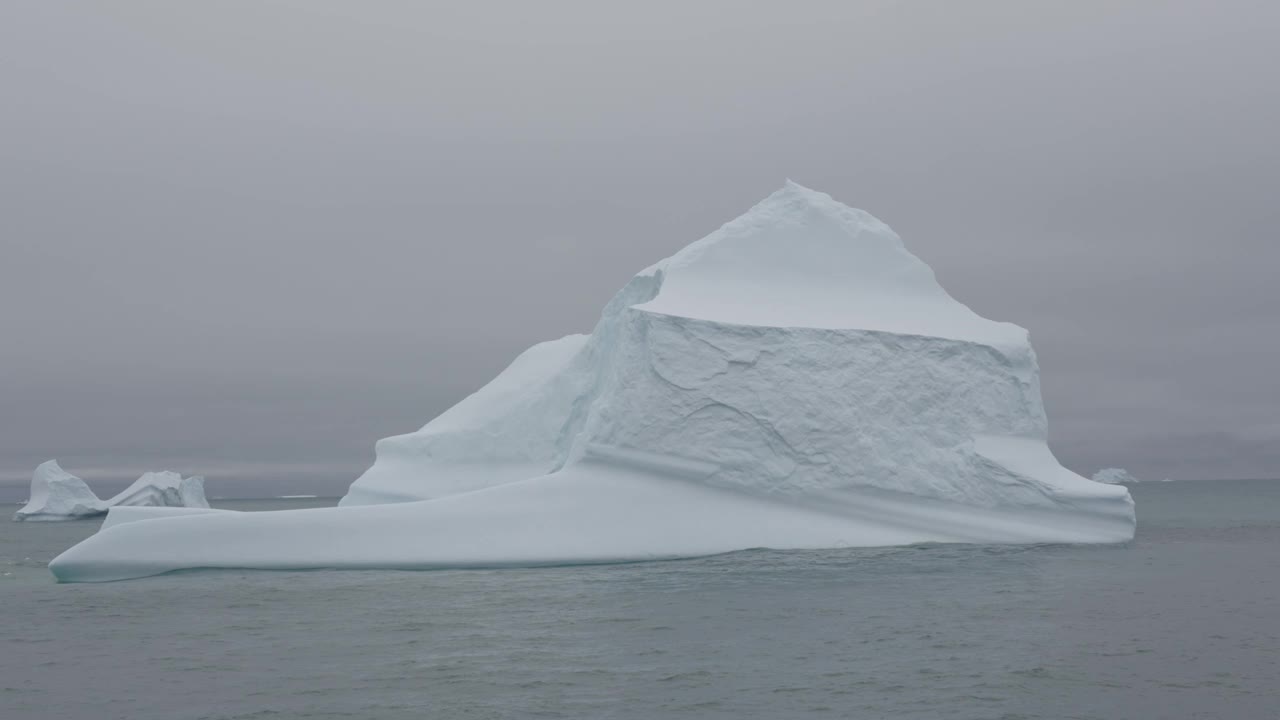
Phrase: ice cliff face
(796, 379)
(59, 495)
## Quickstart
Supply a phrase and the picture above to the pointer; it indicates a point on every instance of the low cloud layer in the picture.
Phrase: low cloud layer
(251, 238)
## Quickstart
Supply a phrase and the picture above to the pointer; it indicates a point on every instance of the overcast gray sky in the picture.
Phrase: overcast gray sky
(249, 238)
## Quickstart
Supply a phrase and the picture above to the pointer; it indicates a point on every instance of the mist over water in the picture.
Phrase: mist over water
(1180, 623)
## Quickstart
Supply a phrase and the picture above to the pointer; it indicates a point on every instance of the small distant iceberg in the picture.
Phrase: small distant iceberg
(1118, 476)
(58, 495)
(163, 489)
(1114, 476)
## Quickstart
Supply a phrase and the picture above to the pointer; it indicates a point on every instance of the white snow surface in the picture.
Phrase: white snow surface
(1116, 476)
(59, 495)
(796, 379)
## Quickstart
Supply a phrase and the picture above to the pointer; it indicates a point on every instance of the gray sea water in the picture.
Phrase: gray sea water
(1184, 622)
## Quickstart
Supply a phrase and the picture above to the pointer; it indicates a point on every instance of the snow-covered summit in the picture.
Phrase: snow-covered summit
(796, 379)
(801, 259)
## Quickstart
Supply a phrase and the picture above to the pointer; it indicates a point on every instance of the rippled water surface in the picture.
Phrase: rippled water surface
(1182, 623)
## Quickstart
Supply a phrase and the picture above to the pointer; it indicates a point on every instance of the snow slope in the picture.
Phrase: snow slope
(796, 379)
(58, 495)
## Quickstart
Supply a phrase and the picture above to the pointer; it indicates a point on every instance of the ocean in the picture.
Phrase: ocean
(1183, 622)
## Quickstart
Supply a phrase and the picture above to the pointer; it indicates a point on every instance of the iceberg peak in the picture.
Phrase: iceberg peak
(800, 258)
(49, 471)
(802, 191)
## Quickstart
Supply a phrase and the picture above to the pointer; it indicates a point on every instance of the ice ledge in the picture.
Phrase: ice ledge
(592, 512)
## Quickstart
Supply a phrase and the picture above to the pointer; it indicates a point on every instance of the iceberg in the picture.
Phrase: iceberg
(1114, 476)
(58, 495)
(163, 489)
(796, 379)
(1119, 476)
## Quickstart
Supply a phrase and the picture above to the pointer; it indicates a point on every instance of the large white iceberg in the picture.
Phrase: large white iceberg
(58, 495)
(796, 379)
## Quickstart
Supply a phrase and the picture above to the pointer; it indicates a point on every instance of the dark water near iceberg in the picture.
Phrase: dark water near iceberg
(1182, 623)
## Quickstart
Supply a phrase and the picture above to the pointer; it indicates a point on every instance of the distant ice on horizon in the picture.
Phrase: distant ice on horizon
(58, 495)
(1118, 476)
